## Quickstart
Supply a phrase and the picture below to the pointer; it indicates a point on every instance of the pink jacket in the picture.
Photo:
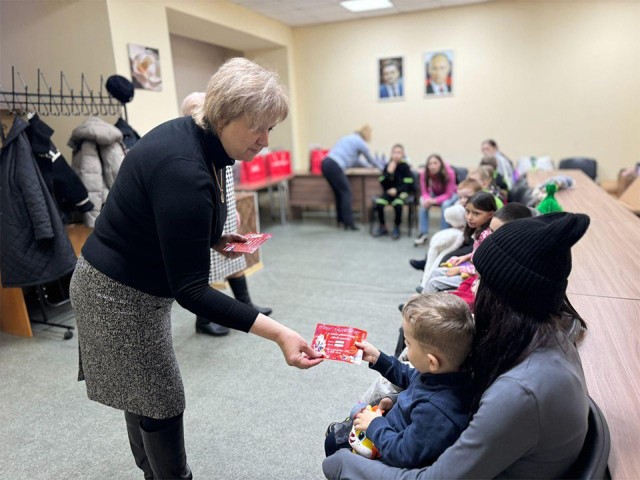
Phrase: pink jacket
(437, 191)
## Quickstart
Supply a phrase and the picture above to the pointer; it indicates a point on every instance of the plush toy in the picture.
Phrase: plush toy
(445, 241)
(550, 204)
(359, 442)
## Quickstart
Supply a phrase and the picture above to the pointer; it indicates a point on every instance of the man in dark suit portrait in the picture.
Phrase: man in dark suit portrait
(438, 72)
(391, 78)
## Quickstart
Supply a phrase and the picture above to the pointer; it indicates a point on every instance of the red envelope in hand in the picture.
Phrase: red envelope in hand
(254, 240)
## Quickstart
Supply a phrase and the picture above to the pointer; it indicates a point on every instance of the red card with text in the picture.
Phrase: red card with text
(254, 240)
(338, 342)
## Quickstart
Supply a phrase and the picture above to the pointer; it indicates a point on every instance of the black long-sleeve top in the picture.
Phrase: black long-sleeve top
(162, 215)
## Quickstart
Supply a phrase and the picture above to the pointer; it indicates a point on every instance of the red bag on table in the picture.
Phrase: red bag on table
(254, 171)
(315, 160)
(278, 163)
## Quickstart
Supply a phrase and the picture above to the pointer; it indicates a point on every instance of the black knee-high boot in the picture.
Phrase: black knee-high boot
(241, 292)
(137, 446)
(165, 450)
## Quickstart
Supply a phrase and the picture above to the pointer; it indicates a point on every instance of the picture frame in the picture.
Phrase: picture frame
(391, 78)
(145, 67)
(438, 73)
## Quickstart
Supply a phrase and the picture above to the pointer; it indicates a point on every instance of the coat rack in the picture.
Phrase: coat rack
(65, 102)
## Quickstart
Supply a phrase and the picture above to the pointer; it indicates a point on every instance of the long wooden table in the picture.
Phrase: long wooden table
(311, 190)
(604, 289)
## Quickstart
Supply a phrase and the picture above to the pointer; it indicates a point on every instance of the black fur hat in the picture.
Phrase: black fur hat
(120, 88)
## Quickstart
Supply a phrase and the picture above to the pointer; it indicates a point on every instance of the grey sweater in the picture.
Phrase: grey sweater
(531, 423)
(346, 152)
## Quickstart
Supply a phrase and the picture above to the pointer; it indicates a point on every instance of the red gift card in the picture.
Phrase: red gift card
(338, 342)
(254, 240)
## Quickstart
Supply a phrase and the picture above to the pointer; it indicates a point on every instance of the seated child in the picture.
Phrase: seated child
(508, 213)
(433, 409)
(484, 176)
(480, 209)
(466, 189)
(397, 185)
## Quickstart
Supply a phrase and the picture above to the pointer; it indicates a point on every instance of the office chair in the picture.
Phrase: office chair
(461, 173)
(592, 461)
(587, 165)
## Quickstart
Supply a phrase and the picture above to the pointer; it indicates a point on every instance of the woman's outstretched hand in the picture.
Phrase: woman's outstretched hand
(296, 351)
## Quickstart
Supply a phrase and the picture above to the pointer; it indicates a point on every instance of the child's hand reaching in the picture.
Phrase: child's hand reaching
(369, 352)
(455, 261)
(363, 419)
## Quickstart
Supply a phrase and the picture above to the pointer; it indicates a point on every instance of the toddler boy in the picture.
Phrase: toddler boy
(433, 409)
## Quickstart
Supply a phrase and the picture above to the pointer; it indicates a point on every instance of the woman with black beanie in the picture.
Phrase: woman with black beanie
(529, 418)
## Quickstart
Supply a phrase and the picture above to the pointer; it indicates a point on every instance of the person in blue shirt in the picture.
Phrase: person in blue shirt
(346, 153)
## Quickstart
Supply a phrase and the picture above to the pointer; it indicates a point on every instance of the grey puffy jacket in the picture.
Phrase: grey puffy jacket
(98, 152)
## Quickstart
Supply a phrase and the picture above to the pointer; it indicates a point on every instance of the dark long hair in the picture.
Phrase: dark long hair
(442, 175)
(482, 201)
(505, 337)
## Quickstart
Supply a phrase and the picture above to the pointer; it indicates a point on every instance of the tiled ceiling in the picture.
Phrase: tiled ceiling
(297, 13)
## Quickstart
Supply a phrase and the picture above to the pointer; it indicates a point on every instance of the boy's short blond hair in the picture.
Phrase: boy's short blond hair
(470, 183)
(442, 321)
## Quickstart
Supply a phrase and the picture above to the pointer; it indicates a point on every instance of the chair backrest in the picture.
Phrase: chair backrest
(461, 173)
(587, 165)
(592, 461)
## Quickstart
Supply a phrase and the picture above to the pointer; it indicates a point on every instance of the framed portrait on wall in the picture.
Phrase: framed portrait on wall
(145, 67)
(390, 78)
(438, 73)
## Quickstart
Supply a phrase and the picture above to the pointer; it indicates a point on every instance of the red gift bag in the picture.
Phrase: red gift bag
(315, 160)
(254, 171)
(278, 163)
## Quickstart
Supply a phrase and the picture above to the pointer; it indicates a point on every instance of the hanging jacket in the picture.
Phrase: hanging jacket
(98, 152)
(63, 183)
(34, 248)
(129, 136)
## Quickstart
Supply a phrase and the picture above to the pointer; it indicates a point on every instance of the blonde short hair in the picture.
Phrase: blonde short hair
(239, 88)
(191, 102)
(442, 321)
(365, 133)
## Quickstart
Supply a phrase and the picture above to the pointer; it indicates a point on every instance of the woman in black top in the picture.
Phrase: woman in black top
(151, 245)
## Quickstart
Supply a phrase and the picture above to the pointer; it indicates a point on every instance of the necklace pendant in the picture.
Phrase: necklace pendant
(222, 197)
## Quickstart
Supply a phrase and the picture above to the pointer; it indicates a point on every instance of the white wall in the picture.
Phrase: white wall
(194, 62)
(64, 35)
(541, 77)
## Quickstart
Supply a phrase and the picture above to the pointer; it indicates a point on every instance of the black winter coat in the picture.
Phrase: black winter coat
(34, 247)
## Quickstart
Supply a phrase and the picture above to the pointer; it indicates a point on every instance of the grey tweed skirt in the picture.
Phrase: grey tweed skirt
(126, 349)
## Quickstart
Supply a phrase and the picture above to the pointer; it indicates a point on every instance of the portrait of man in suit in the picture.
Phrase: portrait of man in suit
(390, 80)
(439, 73)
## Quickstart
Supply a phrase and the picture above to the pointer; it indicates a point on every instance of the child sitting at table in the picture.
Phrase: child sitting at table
(433, 409)
(479, 212)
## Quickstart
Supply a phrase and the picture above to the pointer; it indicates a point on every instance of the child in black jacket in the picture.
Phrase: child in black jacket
(397, 182)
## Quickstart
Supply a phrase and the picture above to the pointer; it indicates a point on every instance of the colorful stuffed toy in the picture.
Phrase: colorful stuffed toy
(360, 443)
(550, 204)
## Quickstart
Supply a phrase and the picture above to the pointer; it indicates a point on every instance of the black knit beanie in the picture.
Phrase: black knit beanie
(120, 88)
(527, 262)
